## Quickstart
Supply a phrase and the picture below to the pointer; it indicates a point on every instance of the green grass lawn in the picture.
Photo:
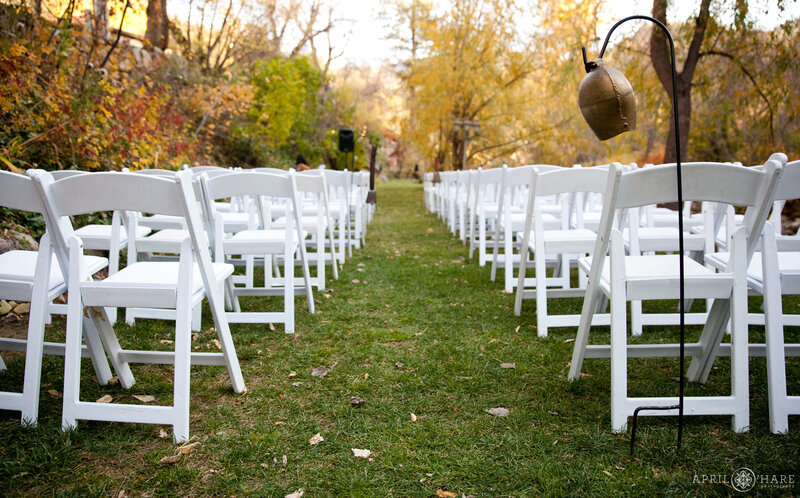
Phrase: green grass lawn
(411, 327)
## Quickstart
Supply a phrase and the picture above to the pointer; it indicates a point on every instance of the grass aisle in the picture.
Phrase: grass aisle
(411, 328)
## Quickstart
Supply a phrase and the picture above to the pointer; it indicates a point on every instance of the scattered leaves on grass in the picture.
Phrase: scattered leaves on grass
(356, 401)
(430, 230)
(187, 448)
(445, 494)
(608, 473)
(53, 393)
(355, 280)
(570, 340)
(316, 439)
(170, 459)
(366, 376)
(113, 381)
(498, 412)
(279, 422)
(162, 433)
(165, 341)
(517, 329)
(144, 398)
(297, 384)
(297, 494)
(272, 327)
(399, 364)
(104, 399)
(216, 343)
(508, 365)
(292, 374)
(361, 453)
(413, 418)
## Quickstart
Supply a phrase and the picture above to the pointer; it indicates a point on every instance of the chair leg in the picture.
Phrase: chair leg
(181, 384)
(288, 290)
(740, 379)
(619, 358)
(540, 268)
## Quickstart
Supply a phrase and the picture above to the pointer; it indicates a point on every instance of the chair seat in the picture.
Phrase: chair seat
(656, 277)
(162, 222)
(236, 222)
(17, 269)
(788, 265)
(147, 284)
(168, 240)
(259, 242)
(663, 238)
(576, 241)
(99, 236)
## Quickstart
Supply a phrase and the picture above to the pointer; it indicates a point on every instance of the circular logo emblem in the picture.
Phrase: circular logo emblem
(743, 479)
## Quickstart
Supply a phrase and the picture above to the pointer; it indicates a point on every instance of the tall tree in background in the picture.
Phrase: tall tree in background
(660, 57)
(157, 24)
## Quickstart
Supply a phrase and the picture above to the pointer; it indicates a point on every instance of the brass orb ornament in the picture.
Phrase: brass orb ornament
(607, 101)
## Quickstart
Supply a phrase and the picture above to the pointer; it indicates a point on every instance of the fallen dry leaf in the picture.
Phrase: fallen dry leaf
(53, 393)
(104, 399)
(361, 453)
(445, 494)
(297, 384)
(292, 374)
(399, 364)
(357, 401)
(498, 412)
(144, 398)
(321, 371)
(162, 433)
(316, 439)
(279, 422)
(297, 494)
(413, 418)
(608, 473)
(170, 459)
(508, 365)
(355, 281)
(113, 381)
(188, 448)
(284, 460)
(195, 336)
(272, 327)
(216, 343)
(165, 341)
(366, 376)
(517, 329)
(430, 230)
(570, 340)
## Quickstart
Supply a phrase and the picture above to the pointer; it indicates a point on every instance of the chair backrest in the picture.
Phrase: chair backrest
(166, 173)
(65, 173)
(18, 192)
(112, 191)
(753, 188)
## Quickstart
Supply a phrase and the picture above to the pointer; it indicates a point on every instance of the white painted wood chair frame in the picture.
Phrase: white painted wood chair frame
(487, 190)
(624, 278)
(144, 284)
(39, 284)
(283, 242)
(512, 202)
(312, 183)
(564, 244)
(338, 195)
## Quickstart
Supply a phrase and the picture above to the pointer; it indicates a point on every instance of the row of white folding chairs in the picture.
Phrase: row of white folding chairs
(61, 265)
(559, 182)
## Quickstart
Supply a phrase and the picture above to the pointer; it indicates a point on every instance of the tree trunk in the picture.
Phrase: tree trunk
(661, 60)
(100, 21)
(157, 24)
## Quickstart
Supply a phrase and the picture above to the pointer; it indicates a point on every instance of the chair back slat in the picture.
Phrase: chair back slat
(94, 192)
(569, 180)
(249, 183)
(18, 192)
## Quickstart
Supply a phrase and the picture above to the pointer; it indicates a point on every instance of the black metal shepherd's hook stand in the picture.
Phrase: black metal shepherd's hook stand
(590, 66)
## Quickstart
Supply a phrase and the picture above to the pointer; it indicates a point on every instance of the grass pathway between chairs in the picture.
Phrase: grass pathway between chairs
(410, 327)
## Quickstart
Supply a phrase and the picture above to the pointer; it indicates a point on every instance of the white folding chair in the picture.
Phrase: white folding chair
(267, 242)
(560, 245)
(642, 277)
(37, 277)
(179, 285)
(316, 220)
(513, 202)
(486, 208)
(338, 194)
